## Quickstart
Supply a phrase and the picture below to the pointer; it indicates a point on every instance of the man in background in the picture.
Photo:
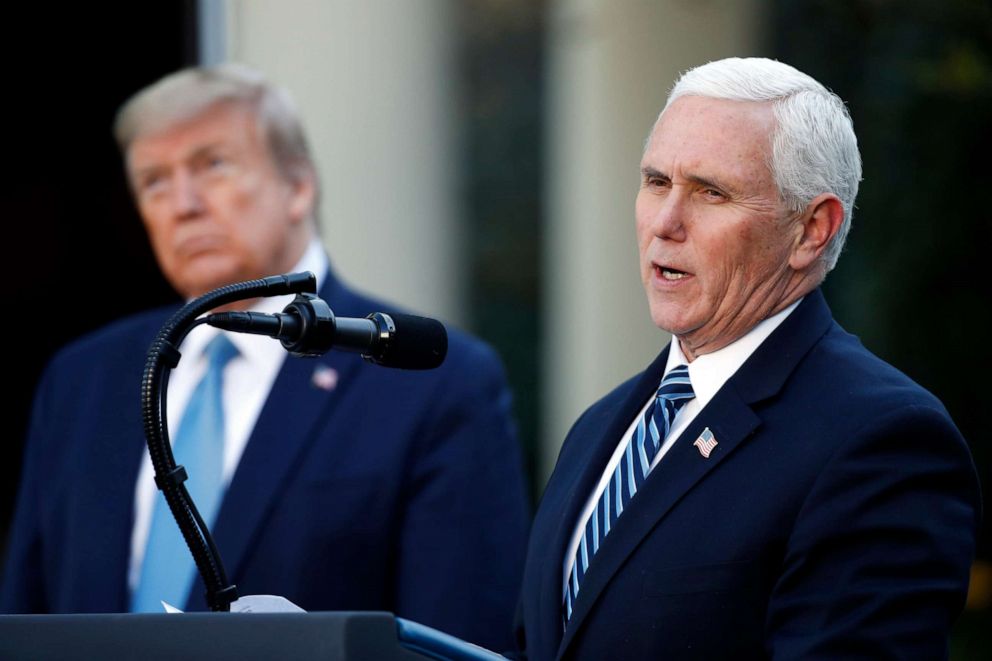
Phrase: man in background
(766, 488)
(335, 483)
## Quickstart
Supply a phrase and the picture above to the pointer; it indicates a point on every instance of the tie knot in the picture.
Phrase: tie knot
(219, 351)
(676, 387)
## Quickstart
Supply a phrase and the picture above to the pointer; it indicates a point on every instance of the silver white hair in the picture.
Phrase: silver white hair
(814, 149)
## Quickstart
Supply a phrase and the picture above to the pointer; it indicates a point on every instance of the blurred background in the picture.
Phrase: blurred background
(479, 161)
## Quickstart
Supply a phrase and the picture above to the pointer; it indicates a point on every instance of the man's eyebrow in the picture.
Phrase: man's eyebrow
(705, 182)
(145, 170)
(208, 148)
(647, 171)
(708, 182)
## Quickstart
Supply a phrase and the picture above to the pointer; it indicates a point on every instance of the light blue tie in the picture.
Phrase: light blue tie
(675, 390)
(167, 570)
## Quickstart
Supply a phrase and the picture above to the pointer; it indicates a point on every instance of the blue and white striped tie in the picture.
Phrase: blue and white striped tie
(675, 390)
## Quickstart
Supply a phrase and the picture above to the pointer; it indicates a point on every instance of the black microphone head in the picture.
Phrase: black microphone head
(418, 343)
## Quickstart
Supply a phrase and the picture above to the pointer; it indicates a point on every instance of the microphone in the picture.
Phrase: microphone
(307, 327)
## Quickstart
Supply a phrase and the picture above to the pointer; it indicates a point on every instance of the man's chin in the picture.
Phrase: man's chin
(669, 320)
(196, 283)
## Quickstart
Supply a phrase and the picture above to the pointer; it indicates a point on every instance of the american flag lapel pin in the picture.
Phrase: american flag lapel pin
(324, 378)
(706, 442)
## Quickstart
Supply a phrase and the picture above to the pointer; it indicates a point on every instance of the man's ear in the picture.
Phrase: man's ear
(303, 194)
(818, 225)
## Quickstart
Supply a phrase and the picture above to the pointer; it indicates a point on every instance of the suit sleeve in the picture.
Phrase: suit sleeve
(22, 588)
(466, 514)
(877, 564)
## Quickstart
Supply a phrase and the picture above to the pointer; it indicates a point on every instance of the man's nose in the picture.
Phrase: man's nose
(187, 200)
(670, 216)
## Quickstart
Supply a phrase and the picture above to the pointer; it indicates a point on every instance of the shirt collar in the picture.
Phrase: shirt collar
(710, 371)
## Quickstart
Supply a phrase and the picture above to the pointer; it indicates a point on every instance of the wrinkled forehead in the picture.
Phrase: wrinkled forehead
(725, 121)
(699, 132)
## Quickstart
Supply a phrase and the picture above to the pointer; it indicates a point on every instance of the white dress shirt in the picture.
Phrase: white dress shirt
(248, 377)
(707, 373)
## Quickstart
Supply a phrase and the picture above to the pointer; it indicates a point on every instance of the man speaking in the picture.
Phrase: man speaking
(766, 487)
(338, 484)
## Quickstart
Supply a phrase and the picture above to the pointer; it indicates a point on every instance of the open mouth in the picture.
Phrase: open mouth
(669, 273)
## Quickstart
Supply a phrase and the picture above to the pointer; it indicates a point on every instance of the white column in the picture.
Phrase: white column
(611, 64)
(375, 83)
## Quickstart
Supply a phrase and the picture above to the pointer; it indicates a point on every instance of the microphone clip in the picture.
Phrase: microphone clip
(319, 331)
(315, 337)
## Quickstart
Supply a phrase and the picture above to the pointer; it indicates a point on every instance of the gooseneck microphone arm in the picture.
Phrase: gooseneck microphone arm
(162, 357)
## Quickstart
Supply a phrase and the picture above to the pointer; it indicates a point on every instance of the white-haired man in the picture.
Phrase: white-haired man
(338, 484)
(766, 487)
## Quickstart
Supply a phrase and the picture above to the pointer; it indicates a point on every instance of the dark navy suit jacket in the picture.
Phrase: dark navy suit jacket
(836, 517)
(399, 491)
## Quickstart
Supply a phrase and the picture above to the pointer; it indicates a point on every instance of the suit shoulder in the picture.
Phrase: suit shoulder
(128, 334)
(859, 377)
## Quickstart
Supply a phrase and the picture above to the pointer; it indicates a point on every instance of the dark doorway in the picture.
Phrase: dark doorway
(77, 256)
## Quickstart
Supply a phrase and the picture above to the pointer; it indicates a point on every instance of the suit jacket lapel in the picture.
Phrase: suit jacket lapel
(731, 421)
(117, 455)
(586, 459)
(98, 548)
(109, 509)
(285, 427)
(729, 417)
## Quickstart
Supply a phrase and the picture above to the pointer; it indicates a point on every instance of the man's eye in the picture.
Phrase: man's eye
(210, 162)
(151, 183)
(714, 194)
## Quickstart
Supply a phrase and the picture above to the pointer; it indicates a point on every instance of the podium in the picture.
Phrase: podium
(334, 636)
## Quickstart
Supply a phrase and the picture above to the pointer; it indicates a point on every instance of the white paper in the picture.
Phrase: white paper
(264, 603)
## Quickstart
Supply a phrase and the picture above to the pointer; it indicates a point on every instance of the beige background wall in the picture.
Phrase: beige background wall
(374, 81)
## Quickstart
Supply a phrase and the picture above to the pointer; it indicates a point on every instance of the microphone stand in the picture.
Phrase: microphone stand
(163, 356)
